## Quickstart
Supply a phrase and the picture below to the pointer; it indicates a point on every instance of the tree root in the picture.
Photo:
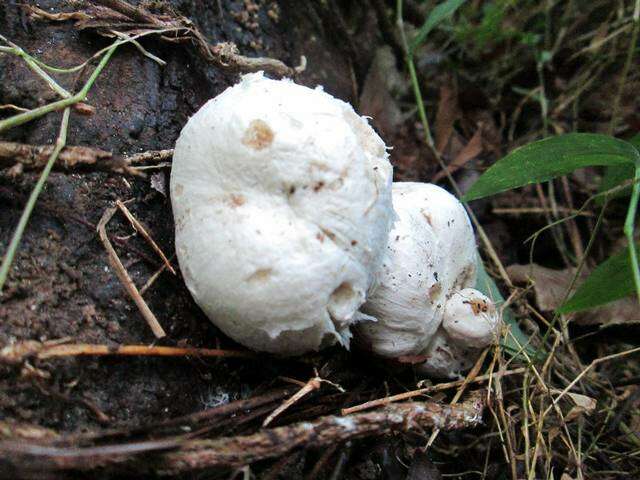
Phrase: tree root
(179, 455)
(121, 16)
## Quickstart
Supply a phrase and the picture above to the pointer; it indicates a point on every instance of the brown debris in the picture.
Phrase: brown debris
(123, 17)
(550, 285)
(448, 113)
(33, 157)
(188, 455)
(142, 231)
(470, 151)
(423, 391)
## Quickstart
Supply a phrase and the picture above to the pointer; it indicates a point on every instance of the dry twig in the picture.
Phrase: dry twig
(34, 157)
(151, 156)
(124, 277)
(142, 231)
(323, 432)
(423, 391)
(18, 352)
(310, 386)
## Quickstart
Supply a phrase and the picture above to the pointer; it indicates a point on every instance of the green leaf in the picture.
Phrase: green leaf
(611, 280)
(517, 341)
(436, 16)
(552, 157)
(617, 175)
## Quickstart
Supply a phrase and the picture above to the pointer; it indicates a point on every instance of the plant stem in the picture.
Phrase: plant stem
(414, 76)
(430, 144)
(625, 69)
(31, 202)
(65, 103)
(629, 227)
(25, 117)
(576, 276)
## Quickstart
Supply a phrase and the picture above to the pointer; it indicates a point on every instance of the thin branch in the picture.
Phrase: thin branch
(34, 157)
(21, 351)
(142, 231)
(310, 386)
(423, 391)
(124, 277)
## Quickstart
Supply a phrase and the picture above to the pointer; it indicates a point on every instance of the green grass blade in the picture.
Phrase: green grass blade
(552, 157)
(617, 175)
(436, 16)
(611, 280)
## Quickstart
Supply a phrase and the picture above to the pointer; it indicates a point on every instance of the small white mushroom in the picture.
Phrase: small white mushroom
(424, 304)
(470, 318)
(470, 323)
(281, 196)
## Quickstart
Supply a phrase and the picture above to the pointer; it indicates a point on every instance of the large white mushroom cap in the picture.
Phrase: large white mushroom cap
(282, 202)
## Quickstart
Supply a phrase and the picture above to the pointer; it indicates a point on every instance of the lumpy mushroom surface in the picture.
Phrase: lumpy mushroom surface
(424, 305)
(282, 201)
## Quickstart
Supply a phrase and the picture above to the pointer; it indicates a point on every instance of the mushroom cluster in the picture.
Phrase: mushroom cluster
(424, 305)
(288, 237)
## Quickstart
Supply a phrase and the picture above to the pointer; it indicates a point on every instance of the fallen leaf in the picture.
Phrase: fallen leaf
(583, 404)
(469, 152)
(549, 287)
(448, 113)
(623, 311)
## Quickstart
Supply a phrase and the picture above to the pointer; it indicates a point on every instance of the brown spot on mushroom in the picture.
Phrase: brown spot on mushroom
(318, 186)
(260, 275)
(434, 291)
(258, 136)
(354, 243)
(329, 234)
(427, 217)
(178, 190)
(236, 200)
(320, 237)
(479, 306)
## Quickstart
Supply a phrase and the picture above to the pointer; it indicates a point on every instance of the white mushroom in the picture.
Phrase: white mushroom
(470, 318)
(282, 202)
(424, 283)
(470, 323)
